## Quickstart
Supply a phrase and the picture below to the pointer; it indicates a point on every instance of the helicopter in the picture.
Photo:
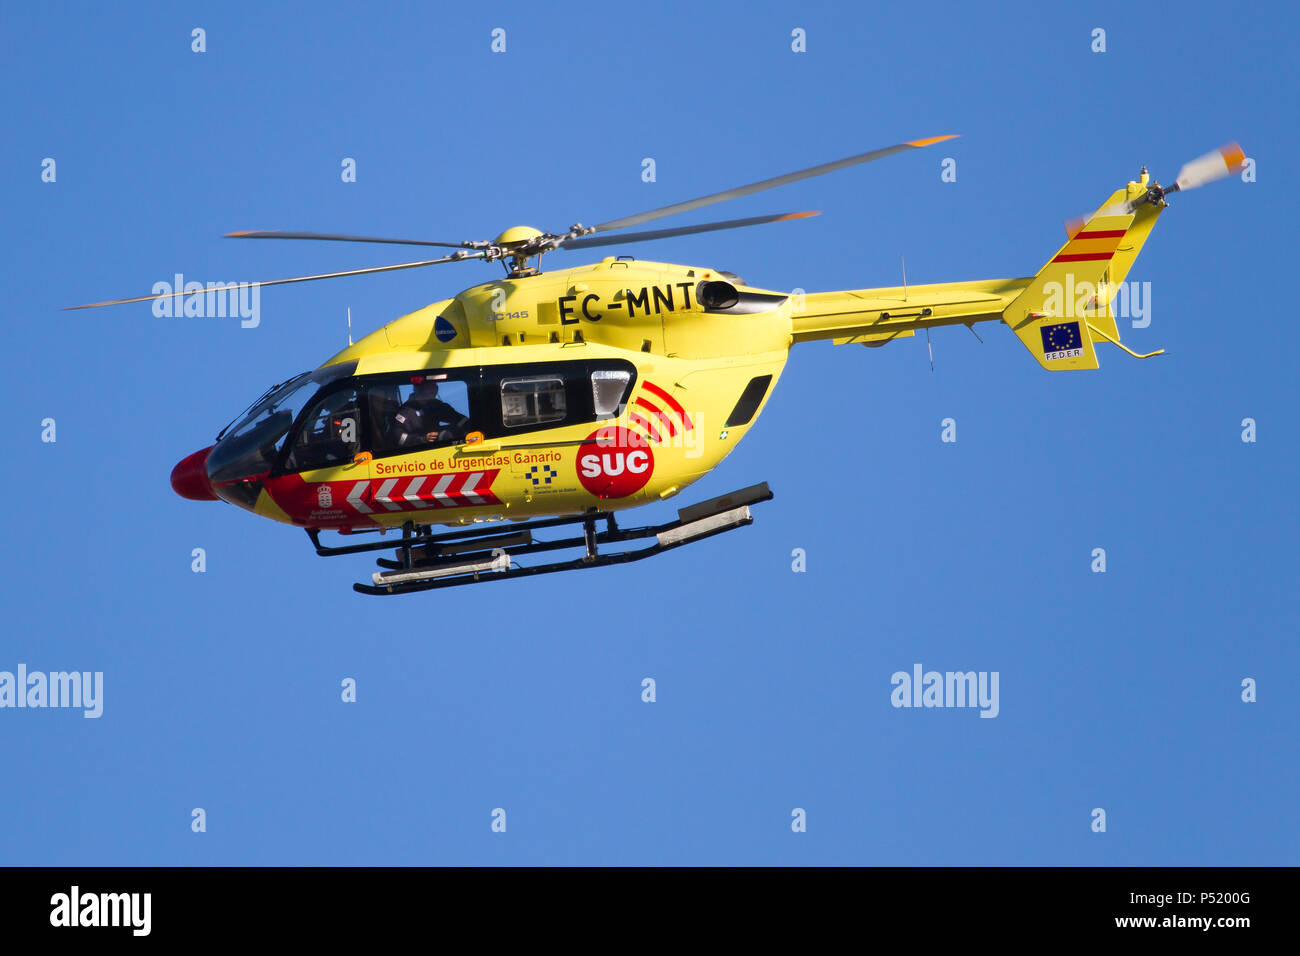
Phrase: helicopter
(551, 402)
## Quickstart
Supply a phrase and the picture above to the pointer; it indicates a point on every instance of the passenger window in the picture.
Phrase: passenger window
(532, 401)
(607, 389)
(428, 413)
(330, 433)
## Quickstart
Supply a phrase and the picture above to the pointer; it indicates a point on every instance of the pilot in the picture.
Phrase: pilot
(425, 418)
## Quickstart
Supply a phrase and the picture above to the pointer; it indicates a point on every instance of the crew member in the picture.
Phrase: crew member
(426, 419)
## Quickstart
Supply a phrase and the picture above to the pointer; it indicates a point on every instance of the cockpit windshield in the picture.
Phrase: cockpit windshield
(250, 448)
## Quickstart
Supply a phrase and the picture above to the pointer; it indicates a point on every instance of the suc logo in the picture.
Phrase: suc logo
(615, 462)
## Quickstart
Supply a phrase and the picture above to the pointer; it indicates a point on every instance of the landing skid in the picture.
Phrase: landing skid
(426, 561)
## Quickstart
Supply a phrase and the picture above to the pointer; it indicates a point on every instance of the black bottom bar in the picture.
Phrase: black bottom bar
(919, 908)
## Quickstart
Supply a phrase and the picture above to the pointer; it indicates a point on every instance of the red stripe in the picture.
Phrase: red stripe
(660, 415)
(1102, 234)
(670, 402)
(1084, 257)
(638, 420)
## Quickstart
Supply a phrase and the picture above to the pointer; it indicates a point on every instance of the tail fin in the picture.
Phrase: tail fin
(1052, 314)
(1144, 218)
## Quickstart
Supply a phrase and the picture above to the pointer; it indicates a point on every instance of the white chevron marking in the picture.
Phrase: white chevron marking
(354, 497)
(467, 489)
(440, 494)
(382, 495)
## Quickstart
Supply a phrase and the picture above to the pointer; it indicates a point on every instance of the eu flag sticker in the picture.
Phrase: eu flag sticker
(1061, 341)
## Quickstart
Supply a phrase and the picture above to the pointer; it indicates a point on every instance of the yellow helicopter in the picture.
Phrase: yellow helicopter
(550, 401)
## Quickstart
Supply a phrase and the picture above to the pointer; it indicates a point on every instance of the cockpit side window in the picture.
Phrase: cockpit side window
(422, 411)
(419, 410)
(330, 432)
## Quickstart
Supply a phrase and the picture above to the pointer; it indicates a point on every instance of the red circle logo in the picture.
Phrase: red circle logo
(614, 462)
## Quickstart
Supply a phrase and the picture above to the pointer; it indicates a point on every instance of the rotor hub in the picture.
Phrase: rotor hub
(517, 235)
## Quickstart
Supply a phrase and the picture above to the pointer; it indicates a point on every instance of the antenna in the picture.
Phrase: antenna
(349, 325)
(903, 262)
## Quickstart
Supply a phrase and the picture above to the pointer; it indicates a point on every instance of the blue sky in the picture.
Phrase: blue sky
(1119, 690)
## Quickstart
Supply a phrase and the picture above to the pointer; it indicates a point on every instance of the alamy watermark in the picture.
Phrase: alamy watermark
(128, 910)
(922, 688)
(1083, 299)
(639, 427)
(83, 689)
(216, 300)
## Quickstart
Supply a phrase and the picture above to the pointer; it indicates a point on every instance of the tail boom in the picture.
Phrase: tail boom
(1057, 314)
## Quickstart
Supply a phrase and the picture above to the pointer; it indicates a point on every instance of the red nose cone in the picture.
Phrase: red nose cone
(190, 477)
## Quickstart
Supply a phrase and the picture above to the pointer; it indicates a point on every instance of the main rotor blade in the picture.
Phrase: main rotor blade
(766, 184)
(326, 275)
(589, 242)
(341, 238)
